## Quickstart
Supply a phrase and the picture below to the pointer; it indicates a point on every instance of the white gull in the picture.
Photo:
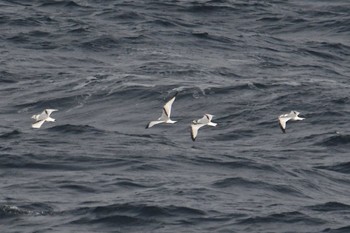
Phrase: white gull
(197, 124)
(282, 119)
(42, 117)
(165, 117)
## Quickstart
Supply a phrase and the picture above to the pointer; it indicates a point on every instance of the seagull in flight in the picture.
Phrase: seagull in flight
(42, 117)
(293, 115)
(197, 124)
(165, 117)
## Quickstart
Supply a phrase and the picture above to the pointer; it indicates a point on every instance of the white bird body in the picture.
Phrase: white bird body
(165, 117)
(282, 119)
(197, 124)
(42, 117)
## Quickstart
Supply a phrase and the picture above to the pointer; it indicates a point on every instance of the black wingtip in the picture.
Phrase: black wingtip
(147, 126)
(193, 138)
(173, 96)
(283, 130)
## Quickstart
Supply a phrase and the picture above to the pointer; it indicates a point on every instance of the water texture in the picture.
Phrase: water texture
(109, 66)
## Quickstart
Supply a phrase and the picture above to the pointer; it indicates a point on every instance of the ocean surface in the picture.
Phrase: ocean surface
(109, 67)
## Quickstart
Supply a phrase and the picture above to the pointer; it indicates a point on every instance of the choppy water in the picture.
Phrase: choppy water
(109, 66)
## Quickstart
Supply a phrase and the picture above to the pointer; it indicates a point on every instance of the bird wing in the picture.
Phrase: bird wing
(210, 117)
(167, 108)
(212, 124)
(152, 123)
(204, 120)
(49, 111)
(283, 123)
(38, 124)
(194, 130)
(164, 116)
(41, 116)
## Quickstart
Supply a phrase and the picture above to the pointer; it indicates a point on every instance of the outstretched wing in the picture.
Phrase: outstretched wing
(167, 108)
(41, 116)
(209, 116)
(152, 123)
(204, 120)
(194, 130)
(38, 124)
(283, 123)
(49, 111)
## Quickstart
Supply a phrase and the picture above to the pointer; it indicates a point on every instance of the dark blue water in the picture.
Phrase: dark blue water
(109, 66)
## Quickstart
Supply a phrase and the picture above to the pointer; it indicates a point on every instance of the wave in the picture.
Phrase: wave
(11, 210)
(203, 8)
(145, 168)
(339, 48)
(330, 206)
(129, 184)
(256, 184)
(345, 229)
(340, 167)
(240, 87)
(61, 3)
(127, 15)
(341, 100)
(213, 37)
(107, 42)
(48, 166)
(284, 217)
(339, 140)
(234, 135)
(59, 101)
(102, 43)
(33, 209)
(126, 214)
(113, 220)
(241, 164)
(7, 77)
(79, 188)
(77, 129)
(10, 135)
(320, 54)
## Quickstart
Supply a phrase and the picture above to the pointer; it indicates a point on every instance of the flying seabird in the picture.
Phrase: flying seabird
(197, 124)
(41, 118)
(165, 117)
(293, 115)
